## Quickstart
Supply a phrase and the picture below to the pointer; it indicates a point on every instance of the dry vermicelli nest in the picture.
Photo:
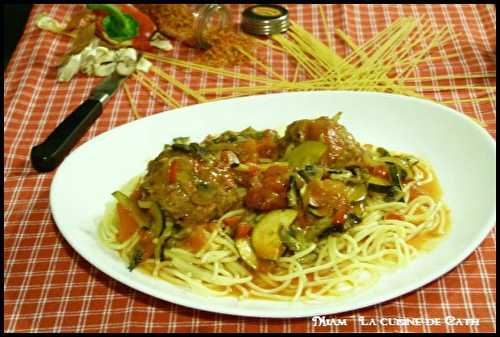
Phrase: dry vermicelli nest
(176, 21)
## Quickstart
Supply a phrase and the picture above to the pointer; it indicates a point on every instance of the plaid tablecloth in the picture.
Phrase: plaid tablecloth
(48, 287)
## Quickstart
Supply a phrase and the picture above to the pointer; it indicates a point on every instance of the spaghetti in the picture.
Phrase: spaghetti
(312, 215)
(388, 62)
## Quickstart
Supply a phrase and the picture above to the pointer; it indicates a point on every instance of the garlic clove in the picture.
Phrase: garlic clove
(161, 42)
(69, 69)
(126, 61)
(104, 64)
(104, 55)
(162, 45)
(143, 65)
(126, 54)
(125, 68)
(45, 22)
(88, 60)
(104, 69)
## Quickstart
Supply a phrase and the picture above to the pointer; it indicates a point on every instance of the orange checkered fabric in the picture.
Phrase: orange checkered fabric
(48, 287)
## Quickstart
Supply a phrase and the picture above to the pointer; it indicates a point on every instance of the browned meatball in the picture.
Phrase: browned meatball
(343, 150)
(192, 189)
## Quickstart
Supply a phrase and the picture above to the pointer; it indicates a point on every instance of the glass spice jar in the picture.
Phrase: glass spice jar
(190, 23)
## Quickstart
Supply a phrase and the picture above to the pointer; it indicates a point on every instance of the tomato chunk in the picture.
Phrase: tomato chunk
(147, 245)
(339, 217)
(172, 172)
(243, 230)
(128, 225)
(394, 216)
(231, 221)
(196, 240)
(268, 191)
(380, 171)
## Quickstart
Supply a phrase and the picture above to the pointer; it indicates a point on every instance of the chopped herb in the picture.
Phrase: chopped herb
(351, 220)
(203, 185)
(310, 172)
(292, 193)
(395, 173)
(383, 152)
(394, 194)
(181, 140)
(198, 150)
(136, 257)
(181, 147)
(232, 138)
(193, 148)
(337, 117)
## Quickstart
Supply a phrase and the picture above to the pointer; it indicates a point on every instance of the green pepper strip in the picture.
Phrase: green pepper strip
(119, 26)
(136, 257)
(317, 228)
(157, 216)
(291, 195)
(295, 243)
(161, 240)
(395, 175)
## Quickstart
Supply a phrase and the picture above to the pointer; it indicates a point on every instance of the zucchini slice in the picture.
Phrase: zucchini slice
(266, 239)
(307, 153)
(357, 192)
(246, 252)
(158, 220)
(294, 239)
(379, 185)
(317, 228)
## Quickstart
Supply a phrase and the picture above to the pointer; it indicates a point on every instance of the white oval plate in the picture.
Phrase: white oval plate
(462, 153)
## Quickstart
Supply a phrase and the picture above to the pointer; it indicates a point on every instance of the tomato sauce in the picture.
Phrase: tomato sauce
(268, 190)
(329, 196)
(196, 239)
(428, 239)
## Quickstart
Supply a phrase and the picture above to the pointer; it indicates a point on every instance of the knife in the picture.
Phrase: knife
(49, 154)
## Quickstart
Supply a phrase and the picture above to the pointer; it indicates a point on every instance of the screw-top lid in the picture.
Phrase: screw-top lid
(265, 20)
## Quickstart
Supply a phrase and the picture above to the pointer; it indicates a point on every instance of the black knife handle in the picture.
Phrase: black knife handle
(49, 154)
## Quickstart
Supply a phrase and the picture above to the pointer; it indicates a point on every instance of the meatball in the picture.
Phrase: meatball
(342, 148)
(190, 188)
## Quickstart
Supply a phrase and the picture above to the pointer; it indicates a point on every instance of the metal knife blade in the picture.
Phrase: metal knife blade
(49, 154)
(107, 87)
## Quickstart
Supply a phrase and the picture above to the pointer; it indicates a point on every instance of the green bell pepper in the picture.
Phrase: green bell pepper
(118, 26)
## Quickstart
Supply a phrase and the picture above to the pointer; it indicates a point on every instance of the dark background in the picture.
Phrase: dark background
(14, 20)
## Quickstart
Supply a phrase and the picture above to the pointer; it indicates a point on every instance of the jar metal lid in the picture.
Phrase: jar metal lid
(265, 20)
